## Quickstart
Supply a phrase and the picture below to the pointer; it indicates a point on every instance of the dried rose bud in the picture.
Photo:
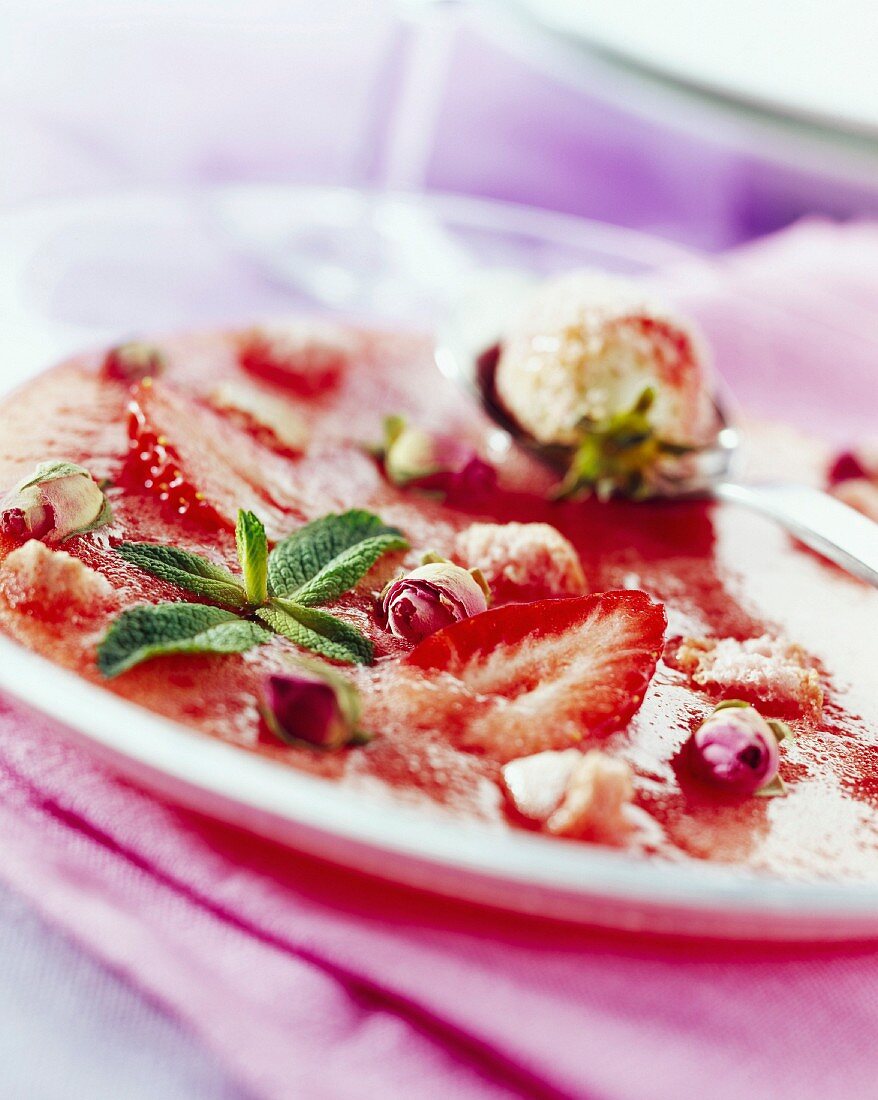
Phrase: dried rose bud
(437, 463)
(856, 463)
(432, 597)
(133, 362)
(58, 500)
(312, 705)
(845, 467)
(736, 749)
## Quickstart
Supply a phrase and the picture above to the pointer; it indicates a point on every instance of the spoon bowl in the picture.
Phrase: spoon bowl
(469, 348)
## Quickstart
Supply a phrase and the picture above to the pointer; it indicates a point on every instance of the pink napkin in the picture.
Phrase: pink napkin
(793, 323)
(308, 981)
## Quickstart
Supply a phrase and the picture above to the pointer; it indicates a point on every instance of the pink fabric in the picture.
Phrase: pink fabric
(308, 981)
(793, 318)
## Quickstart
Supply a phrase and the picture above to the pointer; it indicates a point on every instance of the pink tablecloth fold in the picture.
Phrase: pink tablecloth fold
(311, 982)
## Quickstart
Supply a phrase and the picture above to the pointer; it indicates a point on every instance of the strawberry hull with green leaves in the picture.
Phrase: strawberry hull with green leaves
(314, 606)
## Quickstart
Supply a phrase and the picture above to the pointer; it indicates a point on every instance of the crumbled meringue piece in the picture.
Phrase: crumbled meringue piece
(521, 561)
(536, 784)
(597, 793)
(35, 575)
(770, 670)
(574, 795)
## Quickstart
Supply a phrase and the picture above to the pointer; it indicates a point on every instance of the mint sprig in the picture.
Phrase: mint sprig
(314, 565)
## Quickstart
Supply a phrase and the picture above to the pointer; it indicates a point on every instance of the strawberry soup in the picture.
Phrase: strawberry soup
(383, 603)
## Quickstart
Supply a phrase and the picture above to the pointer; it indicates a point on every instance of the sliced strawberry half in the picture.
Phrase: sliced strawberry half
(199, 464)
(528, 677)
(307, 357)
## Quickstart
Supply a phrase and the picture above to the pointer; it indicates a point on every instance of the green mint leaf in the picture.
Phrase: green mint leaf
(253, 556)
(154, 630)
(320, 549)
(343, 572)
(317, 631)
(189, 571)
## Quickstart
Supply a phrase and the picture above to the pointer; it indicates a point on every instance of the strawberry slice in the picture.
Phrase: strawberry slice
(306, 357)
(199, 464)
(524, 678)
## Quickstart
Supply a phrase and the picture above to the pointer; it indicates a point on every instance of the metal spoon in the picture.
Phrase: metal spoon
(817, 519)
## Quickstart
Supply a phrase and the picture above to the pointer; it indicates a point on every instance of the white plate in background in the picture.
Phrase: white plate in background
(812, 60)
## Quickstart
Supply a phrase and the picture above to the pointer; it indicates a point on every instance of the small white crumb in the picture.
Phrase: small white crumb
(536, 784)
(598, 791)
(274, 414)
(770, 669)
(35, 574)
(586, 796)
(521, 561)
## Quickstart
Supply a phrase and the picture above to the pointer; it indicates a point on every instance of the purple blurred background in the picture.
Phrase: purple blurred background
(109, 93)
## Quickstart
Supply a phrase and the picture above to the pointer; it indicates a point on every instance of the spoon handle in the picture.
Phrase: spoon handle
(819, 520)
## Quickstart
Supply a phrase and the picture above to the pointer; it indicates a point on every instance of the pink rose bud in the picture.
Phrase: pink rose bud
(133, 362)
(432, 597)
(313, 705)
(438, 463)
(736, 749)
(58, 500)
(856, 463)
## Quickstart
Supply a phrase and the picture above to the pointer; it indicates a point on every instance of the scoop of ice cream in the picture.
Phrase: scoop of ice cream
(587, 348)
(521, 561)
